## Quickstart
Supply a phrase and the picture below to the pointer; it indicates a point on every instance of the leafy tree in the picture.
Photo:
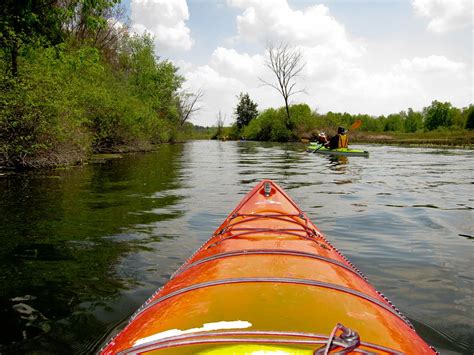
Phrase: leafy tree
(25, 22)
(458, 119)
(394, 123)
(438, 114)
(370, 124)
(413, 121)
(269, 126)
(470, 117)
(153, 80)
(245, 111)
(85, 19)
(50, 22)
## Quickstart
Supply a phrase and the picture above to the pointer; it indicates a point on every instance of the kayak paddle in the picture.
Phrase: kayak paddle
(355, 125)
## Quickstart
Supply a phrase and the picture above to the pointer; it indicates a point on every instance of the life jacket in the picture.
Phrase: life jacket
(343, 141)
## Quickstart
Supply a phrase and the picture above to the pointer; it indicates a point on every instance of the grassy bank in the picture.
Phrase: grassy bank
(445, 138)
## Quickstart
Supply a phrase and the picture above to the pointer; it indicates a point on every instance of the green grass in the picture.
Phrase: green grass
(448, 138)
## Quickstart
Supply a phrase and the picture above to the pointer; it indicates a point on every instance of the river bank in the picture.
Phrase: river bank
(446, 139)
(435, 139)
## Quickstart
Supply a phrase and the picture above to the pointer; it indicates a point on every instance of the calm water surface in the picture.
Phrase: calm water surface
(82, 248)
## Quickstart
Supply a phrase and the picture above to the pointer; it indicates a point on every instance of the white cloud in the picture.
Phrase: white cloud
(275, 21)
(241, 65)
(432, 64)
(336, 85)
(338, 75)
(445, 15)
(165, 20)
(219, 90)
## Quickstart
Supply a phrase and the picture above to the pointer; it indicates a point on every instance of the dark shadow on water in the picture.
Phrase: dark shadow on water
(62, 234)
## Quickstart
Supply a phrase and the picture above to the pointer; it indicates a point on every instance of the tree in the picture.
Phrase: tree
(438, 114)
(394, 122)
(153, 80)
(286, 64)
(187, 105)
(470, 117)
(219, 126)
(413, 121)
(49, 22)
(245, 111)
(26, 22)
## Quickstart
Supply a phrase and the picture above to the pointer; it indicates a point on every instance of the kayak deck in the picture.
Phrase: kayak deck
(317, 148)
(267, 280)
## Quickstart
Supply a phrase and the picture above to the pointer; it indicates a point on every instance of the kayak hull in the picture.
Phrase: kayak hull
(316, 148)
(267, 280)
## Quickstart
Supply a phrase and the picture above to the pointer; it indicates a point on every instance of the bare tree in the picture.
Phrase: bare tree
(188, 104)
(220, 126)
(286, 63)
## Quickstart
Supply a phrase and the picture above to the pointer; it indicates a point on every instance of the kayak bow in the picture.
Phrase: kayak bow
(267, 281)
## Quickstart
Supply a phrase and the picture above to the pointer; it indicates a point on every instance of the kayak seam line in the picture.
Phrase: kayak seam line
(268, 252)
(270, 280)
(182, 340)
(262, 230)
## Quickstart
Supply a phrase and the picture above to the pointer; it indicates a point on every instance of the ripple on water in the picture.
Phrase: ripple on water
(101, 238)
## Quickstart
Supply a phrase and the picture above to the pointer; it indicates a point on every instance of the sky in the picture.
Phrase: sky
(361, 56)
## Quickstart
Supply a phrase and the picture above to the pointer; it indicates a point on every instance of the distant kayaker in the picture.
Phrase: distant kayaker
(340, 140)
(322, 138)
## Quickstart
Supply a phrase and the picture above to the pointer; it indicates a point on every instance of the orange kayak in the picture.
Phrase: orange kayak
(267, 282)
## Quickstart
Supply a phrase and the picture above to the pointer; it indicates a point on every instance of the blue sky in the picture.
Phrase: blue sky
(375, 57)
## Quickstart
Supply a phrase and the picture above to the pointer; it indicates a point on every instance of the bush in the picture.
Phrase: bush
(268, 126)
(40, 124)
(66, 102)
(302, 120)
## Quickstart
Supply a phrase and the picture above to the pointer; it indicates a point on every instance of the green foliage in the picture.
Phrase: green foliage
(438, 114)
(393, 123)
(66, 103)
(25, 23)
(155, 81)
(306, 124)
(245, 111)
(39, 123)
(270, 125)
(302, 120)
(413, 121)
(234, 132)
(469, 113)
(458, 119)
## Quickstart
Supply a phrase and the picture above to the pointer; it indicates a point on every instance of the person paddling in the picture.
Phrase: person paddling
(322, 139)
(340, 140)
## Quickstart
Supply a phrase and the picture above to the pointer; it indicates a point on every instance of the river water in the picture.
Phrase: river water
(82, 248)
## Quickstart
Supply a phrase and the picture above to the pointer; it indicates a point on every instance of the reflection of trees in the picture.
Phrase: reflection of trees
(283, 159)
(57, 243)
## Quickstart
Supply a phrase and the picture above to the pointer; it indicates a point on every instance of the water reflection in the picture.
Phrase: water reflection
(62, 232)
(83, 248)
(338, 163)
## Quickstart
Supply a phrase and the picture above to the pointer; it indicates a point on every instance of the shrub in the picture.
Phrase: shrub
(40, 124)
(268, 126)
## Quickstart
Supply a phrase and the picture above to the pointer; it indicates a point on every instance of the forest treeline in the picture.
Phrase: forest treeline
(273, 124)
(75, 81)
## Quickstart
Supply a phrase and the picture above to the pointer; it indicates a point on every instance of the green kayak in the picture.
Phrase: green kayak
(316, 148)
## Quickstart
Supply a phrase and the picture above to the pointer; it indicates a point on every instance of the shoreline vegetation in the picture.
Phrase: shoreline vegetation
(74, 82)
